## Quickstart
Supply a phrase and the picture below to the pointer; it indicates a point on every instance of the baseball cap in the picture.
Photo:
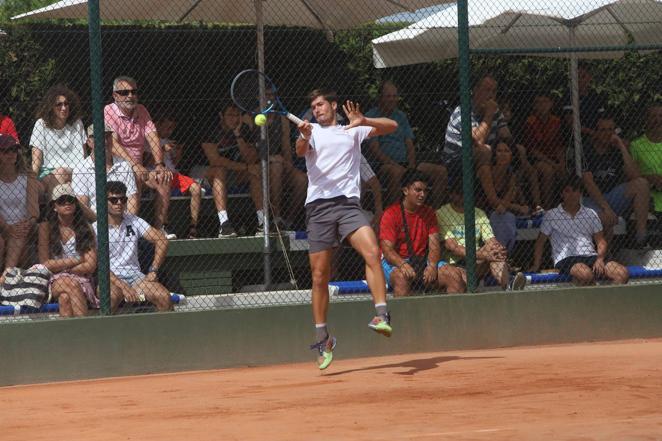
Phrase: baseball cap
(62, 190)
(7, 141)
(107, 129)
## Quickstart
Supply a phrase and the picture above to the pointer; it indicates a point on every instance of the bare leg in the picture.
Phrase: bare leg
(196, 200)
(452, 279)
(401, 285)
(547, 178)
(155, 293)
(320, 267)
(70, 296)
(582, 274)
(364, 242)
(638, 191)
(499, 271)
(617, 273)
(217, 176)
(276, 185)
(255, 188)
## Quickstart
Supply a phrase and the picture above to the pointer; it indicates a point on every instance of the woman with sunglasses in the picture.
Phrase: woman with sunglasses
(19, 206)
(67, 247)
(58, 137)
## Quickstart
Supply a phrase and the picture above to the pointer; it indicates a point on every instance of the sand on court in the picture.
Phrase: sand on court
(594, 391)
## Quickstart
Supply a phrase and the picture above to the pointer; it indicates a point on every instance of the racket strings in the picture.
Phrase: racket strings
(246, 91)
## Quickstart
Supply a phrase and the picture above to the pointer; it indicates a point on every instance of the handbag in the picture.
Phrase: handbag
(417, 262)
(27, 289)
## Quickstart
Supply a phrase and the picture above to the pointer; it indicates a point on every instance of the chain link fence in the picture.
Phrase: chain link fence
(191, 164)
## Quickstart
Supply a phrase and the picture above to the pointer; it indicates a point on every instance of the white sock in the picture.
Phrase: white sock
(222, 216)
(260, 217)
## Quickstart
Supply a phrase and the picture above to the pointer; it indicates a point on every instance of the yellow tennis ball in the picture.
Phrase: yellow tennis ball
(260, 119)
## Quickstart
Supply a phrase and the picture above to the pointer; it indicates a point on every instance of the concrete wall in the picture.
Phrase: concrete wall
(94, 347)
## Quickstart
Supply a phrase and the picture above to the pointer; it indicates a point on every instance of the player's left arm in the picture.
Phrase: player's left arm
(380, 126)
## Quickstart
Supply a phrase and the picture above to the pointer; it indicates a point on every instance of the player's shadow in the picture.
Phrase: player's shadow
(415, 366)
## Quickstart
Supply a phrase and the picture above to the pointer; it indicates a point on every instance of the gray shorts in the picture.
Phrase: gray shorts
(330, 221)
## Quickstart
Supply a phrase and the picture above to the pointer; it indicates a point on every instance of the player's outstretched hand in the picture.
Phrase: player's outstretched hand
(354, 115)
(306, 129)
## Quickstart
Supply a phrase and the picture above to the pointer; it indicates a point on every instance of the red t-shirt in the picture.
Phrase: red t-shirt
(7, 127)
(421, 224)
(544, 137)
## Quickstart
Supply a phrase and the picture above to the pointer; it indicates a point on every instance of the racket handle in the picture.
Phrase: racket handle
(296, 120)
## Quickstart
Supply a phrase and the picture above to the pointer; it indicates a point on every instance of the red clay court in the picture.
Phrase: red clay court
(592, 391)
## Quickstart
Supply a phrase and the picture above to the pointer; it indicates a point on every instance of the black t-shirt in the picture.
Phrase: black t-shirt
(608, 168)
(228, 146)
(591, 106)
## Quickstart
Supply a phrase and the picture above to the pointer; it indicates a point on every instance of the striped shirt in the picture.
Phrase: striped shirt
(453, 146)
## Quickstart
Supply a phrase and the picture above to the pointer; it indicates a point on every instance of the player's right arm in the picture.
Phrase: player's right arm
(303, 142)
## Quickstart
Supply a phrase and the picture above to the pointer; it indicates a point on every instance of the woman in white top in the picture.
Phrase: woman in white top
(19, 205)
(67, 247)
(57, 138)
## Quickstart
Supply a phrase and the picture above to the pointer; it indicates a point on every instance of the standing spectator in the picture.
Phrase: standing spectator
(545, 147)
(83, 180)
(233, 159)
(396, 152)
(19, 204)
(180, 184)
(647, 153)
(409, 239)
(573, 229)
(7, 127)
(500, 196)
(613, 181)
(284, 178)
(491, 256)
(57, 138)
(591, 104)
(133, 129)
(67, 247)
(127, 282)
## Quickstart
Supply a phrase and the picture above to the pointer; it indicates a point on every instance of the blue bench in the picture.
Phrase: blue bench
(635, 272)
(54, 307)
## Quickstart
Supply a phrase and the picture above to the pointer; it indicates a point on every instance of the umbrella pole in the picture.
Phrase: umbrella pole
(574, 90)
(264, 147)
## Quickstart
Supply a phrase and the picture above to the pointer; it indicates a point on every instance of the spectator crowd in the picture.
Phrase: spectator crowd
(48, 190)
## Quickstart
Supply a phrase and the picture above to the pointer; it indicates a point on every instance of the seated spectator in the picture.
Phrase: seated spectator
(591, 105)
(613, 181)
(67, 247)
(284, 178)
(133, 129)
(491, 256)
(83, 180)
(396, 152)
(19, 204)
(574, 230)
(489, 126)
(7, 127)
(545, 147)
(233, 159)
(647, 153)
(57, 138)
(180, 184)
(409, 239)
(127, 282)
(500, 196)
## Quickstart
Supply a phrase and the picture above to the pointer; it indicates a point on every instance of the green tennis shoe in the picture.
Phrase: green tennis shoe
(325, 349)
(381, 324)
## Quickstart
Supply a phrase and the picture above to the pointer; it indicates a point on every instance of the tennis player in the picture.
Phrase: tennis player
(333, 211)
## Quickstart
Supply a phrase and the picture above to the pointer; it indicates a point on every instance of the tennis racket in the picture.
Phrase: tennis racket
(245, 92)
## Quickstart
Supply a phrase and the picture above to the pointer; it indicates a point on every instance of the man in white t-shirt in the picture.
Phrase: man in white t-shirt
(83, 178)
(127, 282)
(333, 210)
(573, 229)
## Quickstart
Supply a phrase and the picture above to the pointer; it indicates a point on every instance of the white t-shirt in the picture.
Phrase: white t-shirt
(59, 147)
(123, 244)
(571, 236)
(83, 179)
(14, 200)
(333, 161)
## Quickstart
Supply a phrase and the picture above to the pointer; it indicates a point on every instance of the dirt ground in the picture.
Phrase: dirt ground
(597, 391)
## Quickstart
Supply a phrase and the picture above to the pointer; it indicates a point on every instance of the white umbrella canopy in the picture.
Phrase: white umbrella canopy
(517, 24)
(317, 14)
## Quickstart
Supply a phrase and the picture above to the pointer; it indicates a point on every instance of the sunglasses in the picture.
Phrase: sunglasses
(8, 150)
(62, 104)
(126, 92)
(65, 200)
(117, 200)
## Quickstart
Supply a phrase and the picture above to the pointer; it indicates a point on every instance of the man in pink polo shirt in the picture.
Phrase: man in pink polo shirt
(133, 130)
